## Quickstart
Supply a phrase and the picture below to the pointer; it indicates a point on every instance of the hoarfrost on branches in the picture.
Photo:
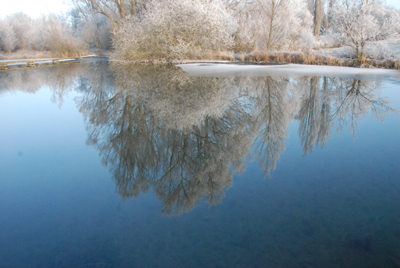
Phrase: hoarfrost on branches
(359, 22)
(176, 30)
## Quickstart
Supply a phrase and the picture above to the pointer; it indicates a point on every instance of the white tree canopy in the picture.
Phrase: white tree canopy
(362, 21)
(177, 29)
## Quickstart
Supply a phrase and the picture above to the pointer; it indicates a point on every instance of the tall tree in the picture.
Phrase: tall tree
(316, 8)
(8, 40)
(329, 15)
(356, 22)
(117, 11)
(279, 23)
(319, 15)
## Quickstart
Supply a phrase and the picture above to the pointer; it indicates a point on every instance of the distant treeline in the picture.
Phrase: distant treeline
(198, 29)
(66, 35)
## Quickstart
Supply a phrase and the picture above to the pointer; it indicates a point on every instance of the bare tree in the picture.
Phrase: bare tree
(355, 21)
(55, 34)
(279, 23)
(244, 37)
(8, 40)
(329, 15)
(319, 15)
(21, 25)
(97, 32)
(117, 11)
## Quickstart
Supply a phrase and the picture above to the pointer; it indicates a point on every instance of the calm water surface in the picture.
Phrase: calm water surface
(145, 166)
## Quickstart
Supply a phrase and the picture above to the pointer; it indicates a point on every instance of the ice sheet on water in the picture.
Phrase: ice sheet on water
(229, 70)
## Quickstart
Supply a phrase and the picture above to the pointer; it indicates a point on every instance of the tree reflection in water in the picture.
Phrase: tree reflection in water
(184, 137)
(157, 127)
(329, 103)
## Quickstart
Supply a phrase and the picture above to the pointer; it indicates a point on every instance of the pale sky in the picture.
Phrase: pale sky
(394, 3)
(34, 8)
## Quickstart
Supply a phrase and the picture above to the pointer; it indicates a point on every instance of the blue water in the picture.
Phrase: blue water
(117, 167)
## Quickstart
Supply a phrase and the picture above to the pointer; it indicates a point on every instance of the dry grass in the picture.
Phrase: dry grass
(26, 54)
(225, 55)
(308, 58)
(31, 54)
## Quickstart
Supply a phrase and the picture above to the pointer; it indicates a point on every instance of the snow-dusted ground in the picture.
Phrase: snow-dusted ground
(23, 60)
(388, 49)
(42, 60)
(229, 70)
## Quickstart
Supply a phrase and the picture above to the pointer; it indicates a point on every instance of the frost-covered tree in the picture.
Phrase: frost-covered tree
(329, 14)
(245, 35)
(316, 7)
(117, 11)
(358, 23)
(280, 24)
(94, 29)
(97, 32)
(22, 27)
(58, 34)
(8, 40)
(55, 34)
(176, 29)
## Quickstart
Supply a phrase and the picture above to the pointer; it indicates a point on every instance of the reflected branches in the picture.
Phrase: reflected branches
(337, 103)
(183, 157)
(271, 103)
(355, 99)
(185, 137)
(60, 79)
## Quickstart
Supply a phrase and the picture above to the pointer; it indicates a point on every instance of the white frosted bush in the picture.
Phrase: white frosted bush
(176, 29)
(53, 33)
(361, 22)
(8, 40)
(268, 25)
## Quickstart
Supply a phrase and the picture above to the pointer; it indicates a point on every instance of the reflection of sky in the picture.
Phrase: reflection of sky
(57, 203)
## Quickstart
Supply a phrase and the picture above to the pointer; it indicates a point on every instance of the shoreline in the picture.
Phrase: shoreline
(257, 58)
(277, 58)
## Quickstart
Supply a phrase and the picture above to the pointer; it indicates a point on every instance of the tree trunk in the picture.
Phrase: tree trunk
(318, 16)
(271, 26)
(329, 15)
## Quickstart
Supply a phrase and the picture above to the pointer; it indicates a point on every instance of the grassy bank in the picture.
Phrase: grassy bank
(280, 58)
(31, 54)
(310, 58)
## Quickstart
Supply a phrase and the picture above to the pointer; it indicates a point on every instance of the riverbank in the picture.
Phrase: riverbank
(379, 54)
(293, 57)
(31, 54)
(19, 64)
(312, 58)
(326, 57)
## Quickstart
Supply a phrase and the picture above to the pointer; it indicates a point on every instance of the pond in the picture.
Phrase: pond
(105, 165)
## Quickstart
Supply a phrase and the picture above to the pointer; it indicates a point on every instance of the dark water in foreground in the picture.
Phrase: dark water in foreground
(113, 166)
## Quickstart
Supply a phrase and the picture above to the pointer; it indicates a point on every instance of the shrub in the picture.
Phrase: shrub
(176, 30)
